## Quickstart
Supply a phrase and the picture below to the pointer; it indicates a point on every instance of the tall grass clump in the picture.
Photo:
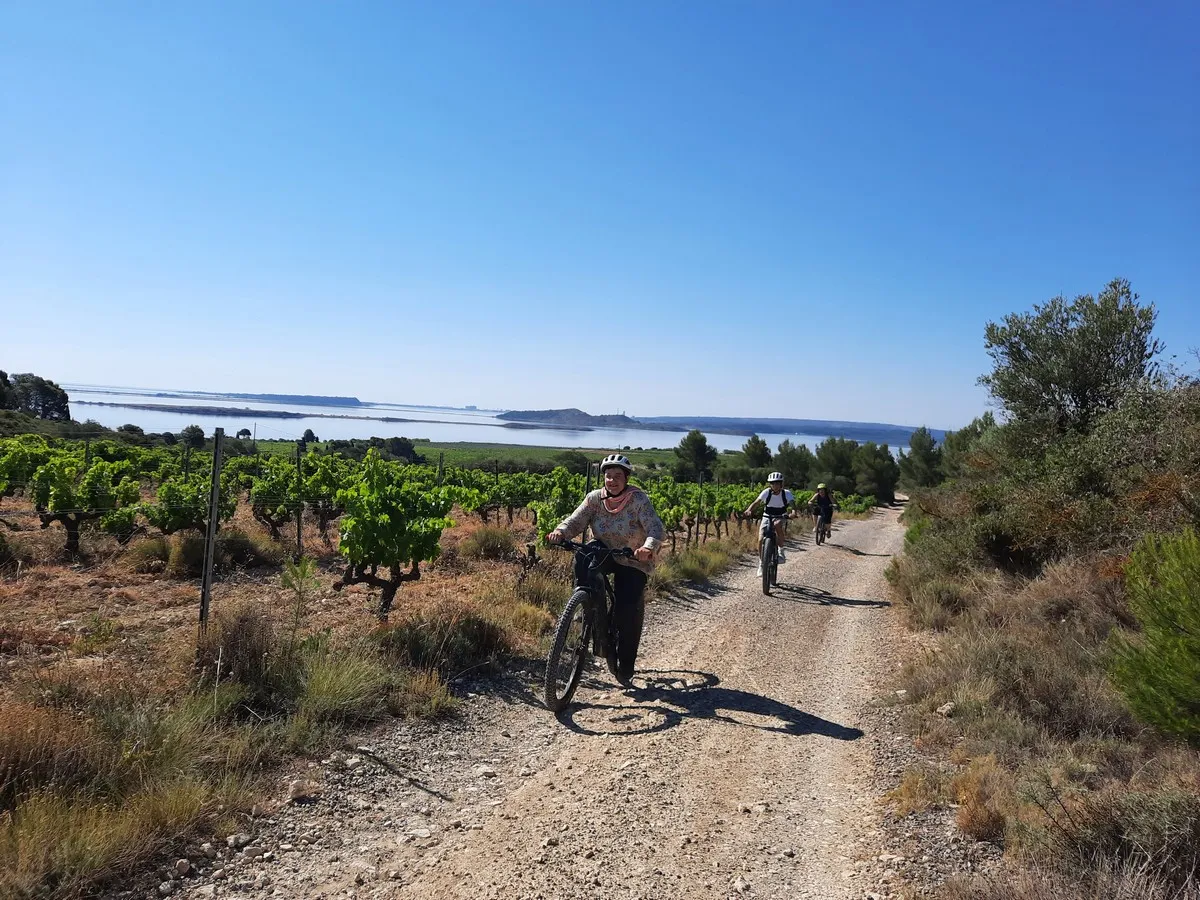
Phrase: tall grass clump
(447, 637)
(489, 542)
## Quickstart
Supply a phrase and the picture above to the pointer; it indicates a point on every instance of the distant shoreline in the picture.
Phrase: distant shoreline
(234, 412)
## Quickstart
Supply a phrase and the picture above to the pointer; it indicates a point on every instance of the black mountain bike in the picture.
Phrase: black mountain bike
(584, 621)
(770, 554)
(821, 531)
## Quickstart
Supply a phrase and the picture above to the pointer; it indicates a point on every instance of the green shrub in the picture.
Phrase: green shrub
(489, 542)
(1159, 670)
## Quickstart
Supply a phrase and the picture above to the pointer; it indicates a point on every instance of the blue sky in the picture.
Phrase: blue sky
(759, 209)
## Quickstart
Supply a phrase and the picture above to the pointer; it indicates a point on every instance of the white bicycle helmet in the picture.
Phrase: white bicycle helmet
(616, 459)
(775, 476)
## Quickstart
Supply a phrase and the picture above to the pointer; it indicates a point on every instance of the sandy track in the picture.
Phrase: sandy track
(736, 766)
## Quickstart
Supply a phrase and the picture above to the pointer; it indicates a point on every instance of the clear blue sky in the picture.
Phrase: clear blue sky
(667, 208)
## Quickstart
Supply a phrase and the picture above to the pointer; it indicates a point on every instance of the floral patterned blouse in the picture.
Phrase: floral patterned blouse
(634, 525)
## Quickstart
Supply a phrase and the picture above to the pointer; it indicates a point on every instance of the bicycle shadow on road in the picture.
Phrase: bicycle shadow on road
(799, 593)
(665, 699)
(859, 552)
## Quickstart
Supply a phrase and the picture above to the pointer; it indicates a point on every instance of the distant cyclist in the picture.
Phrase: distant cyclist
(777, 499)
(620, 515)
(822, 507)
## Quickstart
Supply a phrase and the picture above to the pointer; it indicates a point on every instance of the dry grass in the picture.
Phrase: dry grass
(424, 695)
(54, 845)
(922, 788)
(1106, 884)
(489, 542)
(983, 793)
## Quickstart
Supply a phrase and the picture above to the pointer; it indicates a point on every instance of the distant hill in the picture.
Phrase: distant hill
(576, 417)
(296, 399)
(880, 432)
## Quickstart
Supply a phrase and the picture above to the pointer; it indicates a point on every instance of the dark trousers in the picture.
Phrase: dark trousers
(628, 614)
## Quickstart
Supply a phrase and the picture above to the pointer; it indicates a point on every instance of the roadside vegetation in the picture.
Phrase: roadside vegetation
(1053, 557)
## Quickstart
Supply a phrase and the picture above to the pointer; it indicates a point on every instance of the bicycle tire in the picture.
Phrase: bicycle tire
(567, 672)
(820, 531)
(768, 564)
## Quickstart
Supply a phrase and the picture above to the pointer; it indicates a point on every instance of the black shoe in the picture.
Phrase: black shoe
(611, 659)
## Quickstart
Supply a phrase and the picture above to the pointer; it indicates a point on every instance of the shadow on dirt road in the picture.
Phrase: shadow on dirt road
(663, 700)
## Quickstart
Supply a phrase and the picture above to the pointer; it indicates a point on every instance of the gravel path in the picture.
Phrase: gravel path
(741, 764)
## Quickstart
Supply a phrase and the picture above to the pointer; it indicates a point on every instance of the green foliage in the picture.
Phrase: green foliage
(275, 494)
(694, 457)
(796, 462)
(1159, 670)
(1060, 367)
(323, 477)
(389, 523)
(36, 396)
(564, 491)
(758, 454)
(957, 446)
(20, 457)
(875, 472)
(192, 436)
(922, 465)
(63, 491)
(182, 503)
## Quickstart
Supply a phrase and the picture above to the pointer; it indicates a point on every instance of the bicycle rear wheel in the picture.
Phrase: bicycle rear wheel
(568, 653)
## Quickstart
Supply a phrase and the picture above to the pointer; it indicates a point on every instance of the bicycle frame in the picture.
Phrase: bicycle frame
(595, 580)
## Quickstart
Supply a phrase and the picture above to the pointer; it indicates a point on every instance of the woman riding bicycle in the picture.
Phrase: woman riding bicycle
(774, 499)
(822, 507)
(620, 515)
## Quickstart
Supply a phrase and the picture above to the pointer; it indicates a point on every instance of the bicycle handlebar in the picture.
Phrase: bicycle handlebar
(576, 546)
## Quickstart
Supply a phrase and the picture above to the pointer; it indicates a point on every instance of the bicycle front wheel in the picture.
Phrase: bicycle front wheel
(568, 653)
(768, 565)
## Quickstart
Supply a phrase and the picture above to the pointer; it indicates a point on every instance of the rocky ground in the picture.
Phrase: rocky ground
(748, 760)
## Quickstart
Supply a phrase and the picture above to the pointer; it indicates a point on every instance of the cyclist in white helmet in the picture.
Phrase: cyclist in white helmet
(777, 499)
(621, 515)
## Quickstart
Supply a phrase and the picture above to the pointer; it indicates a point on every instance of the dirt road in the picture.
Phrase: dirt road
(736, 766)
